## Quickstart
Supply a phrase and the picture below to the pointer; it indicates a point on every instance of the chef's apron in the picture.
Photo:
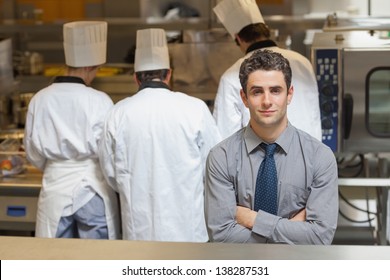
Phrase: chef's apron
(66, 187)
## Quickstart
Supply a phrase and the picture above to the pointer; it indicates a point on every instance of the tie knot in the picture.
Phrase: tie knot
(269, 148)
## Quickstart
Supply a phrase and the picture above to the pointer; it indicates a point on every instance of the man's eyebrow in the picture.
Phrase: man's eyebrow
(261, 87)
(255, 87)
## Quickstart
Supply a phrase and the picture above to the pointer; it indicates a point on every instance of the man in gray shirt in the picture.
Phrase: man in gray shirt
(307, 179)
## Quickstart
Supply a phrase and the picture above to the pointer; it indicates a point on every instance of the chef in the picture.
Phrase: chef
(154, 150)
(63, 127)
(245, 24)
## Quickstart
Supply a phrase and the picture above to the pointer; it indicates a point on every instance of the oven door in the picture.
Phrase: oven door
(366, 100)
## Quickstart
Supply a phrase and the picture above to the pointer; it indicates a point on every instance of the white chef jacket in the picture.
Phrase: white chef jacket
(303, 112)
(63, 127)
(153, 153)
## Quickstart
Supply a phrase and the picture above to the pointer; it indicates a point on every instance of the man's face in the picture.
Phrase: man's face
(267, 98)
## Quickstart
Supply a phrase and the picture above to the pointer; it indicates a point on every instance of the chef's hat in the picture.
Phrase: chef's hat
(236, 14)
(151, 52)
(85, 43)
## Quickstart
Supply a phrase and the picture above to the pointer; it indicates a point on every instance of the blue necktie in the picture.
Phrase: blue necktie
(266, 194)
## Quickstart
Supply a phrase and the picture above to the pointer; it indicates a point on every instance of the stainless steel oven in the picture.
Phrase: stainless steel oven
(353, 74)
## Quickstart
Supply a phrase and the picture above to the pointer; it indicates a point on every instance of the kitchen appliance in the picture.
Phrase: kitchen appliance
(353, 74)
(19, 201)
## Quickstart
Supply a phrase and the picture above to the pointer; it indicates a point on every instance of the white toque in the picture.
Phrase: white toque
(151, 51)
(85, 43)
(236, 14)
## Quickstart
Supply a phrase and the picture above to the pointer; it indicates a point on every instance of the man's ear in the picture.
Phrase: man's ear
(238, 40)
(169, 75)
(290, 94)
(136, 79)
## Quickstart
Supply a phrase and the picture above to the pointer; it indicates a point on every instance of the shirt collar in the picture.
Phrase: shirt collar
(153, 84)
(261, 45)
(68, 79)
(284, 141)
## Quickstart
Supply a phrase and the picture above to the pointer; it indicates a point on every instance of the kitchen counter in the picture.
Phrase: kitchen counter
(31, 179)
(29, 248)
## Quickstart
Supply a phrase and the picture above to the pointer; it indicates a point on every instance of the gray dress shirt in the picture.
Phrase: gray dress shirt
(307, 178)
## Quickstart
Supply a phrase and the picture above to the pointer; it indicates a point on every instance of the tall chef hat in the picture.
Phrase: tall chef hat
(85, 43)
(151, 51)
(236, 14)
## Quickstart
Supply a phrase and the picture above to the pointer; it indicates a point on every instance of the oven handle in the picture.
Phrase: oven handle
(347, 114)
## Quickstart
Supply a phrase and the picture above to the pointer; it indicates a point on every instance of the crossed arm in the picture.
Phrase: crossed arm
(246, 217)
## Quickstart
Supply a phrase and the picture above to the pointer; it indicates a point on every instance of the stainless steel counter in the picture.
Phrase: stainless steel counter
(32, 179)
(29, 248)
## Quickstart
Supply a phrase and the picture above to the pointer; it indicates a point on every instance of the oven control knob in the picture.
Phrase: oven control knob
(327, 107)
(327, 90)
(327, 123)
